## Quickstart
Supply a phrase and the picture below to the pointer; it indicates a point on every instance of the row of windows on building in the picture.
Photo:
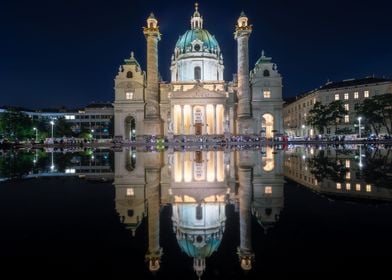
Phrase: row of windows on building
(129, 94)
(346, 96)
(303, 105)
(84, 117)
(358, 187)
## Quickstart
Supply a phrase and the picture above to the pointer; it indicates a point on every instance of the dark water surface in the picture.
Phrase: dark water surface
(104, 213)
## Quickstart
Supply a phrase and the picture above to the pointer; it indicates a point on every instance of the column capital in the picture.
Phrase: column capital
(152, 28)
(241, 32)
(152, 32)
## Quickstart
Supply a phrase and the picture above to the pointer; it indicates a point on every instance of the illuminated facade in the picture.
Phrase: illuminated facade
(198, 185)
(197, 101)
(352, 92)
(337, 173)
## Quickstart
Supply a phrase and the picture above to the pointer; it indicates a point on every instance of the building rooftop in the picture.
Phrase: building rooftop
(354, 82)
(100, 105)
(340, 84)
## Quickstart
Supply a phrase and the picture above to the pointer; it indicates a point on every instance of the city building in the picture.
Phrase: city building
(343, 174)
(95, 118)
(351, 92)
(197, 100)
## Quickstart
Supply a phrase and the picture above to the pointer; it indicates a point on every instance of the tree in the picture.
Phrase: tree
(321, 116)
(385, 110)
(377, 111)
(16, 125)
(335, 113)
(324, 167)
(368, 110)
(63, 128)
(317, 117)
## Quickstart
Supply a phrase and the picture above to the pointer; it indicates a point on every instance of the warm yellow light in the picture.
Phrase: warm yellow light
(189, 199)
(268, 190)
(269, 162)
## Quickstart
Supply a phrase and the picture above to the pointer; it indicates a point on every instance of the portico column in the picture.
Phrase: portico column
(205, 119)
(214, 120)
(192, 128)
(216, 165)
(182, 167)
(182, 120)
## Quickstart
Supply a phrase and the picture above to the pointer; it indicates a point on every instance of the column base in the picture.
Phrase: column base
(153, 127)
(245, 126)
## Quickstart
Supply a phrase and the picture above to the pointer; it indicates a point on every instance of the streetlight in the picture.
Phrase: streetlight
(303, 130)
(36, 134)
(52, 165)
(52, 123)
(92, 133)
(359, 126)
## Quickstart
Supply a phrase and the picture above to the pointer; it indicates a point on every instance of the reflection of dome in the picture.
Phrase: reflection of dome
(199, 229)
(199, 247)
(184, 43)
(191, 245)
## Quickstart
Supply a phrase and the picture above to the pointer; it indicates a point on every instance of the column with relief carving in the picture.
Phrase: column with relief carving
(154, 253)
(153, 122)
(245, 252)
(244, 114)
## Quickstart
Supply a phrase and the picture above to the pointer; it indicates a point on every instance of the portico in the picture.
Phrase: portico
(198, 111)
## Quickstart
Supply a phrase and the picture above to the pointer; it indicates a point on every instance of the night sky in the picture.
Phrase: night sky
(67, 52)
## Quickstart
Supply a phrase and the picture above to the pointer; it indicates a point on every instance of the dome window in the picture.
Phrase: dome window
(130, 212)
(199, 212)
(129, 74)
(199, 239)
(266, 73)
(197, 73)
(197, 47)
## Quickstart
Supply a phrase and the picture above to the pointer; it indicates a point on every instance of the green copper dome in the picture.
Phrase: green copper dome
(184, 43)
(205, 251)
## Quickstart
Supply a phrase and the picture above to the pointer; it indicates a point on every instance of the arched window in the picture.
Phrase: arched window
(199, 212)
(129, 74)
(130, 212)
(197, 73)
(266, 73)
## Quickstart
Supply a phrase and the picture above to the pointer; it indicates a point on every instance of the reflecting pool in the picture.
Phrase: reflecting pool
(196, 214)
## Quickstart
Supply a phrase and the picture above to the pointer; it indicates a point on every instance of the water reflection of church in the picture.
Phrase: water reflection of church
(198, 185)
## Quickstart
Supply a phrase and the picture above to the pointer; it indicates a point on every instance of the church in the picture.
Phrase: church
(197, 101)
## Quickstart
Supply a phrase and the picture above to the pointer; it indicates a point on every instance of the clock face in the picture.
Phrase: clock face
(197, 47)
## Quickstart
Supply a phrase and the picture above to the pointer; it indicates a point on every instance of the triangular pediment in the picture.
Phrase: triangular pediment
(198, 92)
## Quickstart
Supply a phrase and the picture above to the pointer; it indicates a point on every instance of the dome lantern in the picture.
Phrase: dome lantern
(196, 19)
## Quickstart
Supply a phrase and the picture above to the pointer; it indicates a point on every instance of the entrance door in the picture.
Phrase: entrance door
(198, 128)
